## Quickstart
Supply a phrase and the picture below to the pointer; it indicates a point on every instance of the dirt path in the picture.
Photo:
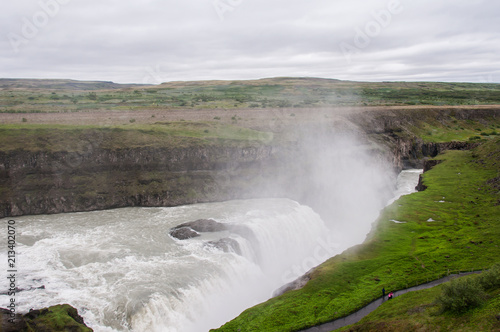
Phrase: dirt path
(358, 315)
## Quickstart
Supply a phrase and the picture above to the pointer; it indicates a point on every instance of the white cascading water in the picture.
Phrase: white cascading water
(123, 272)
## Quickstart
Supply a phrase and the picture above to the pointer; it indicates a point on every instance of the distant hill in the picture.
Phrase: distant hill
(49, 95)
(62, 84)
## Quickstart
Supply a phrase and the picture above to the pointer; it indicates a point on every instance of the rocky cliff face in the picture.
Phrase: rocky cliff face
(52, 182)
(411, 153)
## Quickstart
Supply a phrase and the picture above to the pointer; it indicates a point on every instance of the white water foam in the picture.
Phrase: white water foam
(406, 183)
(123, 271)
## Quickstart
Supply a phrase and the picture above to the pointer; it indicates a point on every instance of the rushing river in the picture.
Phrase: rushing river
(123, 271)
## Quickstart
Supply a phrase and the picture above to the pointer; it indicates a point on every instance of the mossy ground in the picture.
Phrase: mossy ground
(452, 226)
(59, 318)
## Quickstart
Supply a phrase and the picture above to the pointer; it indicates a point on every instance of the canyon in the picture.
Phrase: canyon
(46, 179)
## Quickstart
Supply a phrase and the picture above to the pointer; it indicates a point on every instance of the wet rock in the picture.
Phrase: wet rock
(420, 186)
(183, 233)
(204, 225)
(193, 228)
(11, 323)
(428, 164)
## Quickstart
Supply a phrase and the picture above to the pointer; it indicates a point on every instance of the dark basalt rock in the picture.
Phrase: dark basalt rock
(428, 165)
(204, 225)
(183, 233)
(420, 186)
(191, 229)
(11, 324)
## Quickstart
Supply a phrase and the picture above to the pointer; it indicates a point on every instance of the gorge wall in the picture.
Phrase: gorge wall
(46, 181)
(53, 182)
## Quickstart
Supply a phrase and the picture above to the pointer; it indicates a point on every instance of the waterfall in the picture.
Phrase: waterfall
(123, 271)
(279, 233)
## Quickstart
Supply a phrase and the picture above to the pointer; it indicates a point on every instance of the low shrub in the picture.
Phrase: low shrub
(461, 295)
(490, 280)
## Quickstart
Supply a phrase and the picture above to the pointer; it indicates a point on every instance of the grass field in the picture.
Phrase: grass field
(453, 225)
(36, 137)
(17, 96)
(453, 129)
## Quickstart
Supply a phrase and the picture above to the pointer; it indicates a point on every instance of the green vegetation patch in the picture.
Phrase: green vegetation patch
(452, 129)
(82, 138)
(38, 96)
(211, 130)
(451, 226)
(56, 318)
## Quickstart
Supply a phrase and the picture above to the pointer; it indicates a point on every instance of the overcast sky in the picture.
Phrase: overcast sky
(153, 41)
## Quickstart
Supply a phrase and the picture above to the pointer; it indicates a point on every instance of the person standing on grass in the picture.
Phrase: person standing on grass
(383, 293)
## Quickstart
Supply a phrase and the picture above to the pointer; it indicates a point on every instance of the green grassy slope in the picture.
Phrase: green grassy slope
(453, 225)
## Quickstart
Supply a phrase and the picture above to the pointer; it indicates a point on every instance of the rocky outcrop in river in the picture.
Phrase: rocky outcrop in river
(56, 318)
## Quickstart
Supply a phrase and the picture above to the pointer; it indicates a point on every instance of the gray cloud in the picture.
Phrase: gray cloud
(161, 40)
